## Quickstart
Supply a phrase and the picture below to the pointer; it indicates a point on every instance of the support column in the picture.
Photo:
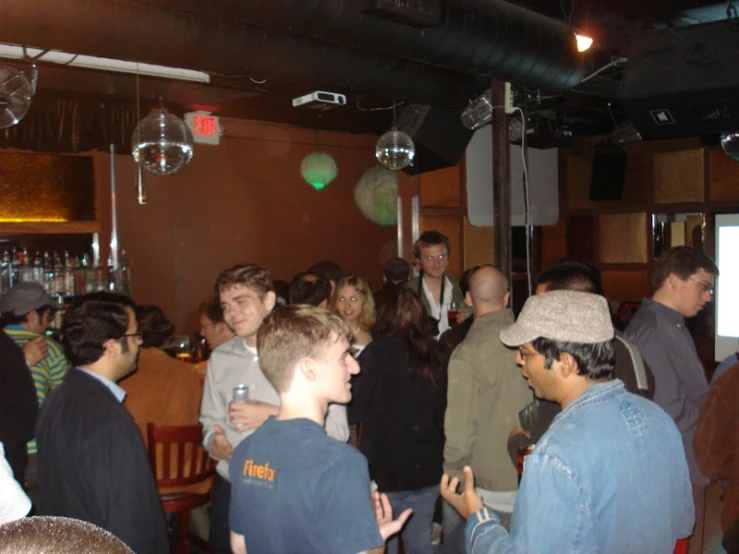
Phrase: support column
(501, 181)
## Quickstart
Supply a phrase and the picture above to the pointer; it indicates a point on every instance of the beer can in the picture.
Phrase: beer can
(241, 394)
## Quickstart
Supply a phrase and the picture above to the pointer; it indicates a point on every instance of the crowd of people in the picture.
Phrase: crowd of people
(343, 420)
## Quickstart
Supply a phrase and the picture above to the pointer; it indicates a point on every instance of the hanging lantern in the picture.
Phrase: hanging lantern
(395, 150)
(162, 143)
(376, 195)
(318, 169)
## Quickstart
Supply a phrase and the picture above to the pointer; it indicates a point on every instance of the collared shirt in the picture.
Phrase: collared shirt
(660, 334)
(48, 373)
(440, 312)
(117, 391)
(608, 476)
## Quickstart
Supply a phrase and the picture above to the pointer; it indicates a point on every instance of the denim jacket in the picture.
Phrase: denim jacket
(609, 476)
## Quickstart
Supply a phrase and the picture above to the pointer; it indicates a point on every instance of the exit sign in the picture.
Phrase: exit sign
(205, 128)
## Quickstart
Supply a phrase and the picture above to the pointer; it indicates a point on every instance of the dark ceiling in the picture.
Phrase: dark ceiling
(263, 53)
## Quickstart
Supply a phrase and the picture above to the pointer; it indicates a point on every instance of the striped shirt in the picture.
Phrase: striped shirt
(48, 373)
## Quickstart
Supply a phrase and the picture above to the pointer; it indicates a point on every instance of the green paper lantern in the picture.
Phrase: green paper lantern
(318, 169)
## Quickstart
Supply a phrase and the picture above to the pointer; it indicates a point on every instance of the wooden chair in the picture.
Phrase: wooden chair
(184, 474)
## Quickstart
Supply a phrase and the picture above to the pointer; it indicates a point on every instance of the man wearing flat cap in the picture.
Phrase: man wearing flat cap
(610, 474)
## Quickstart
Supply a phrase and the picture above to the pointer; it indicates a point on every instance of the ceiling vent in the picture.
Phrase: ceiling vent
(415, 13)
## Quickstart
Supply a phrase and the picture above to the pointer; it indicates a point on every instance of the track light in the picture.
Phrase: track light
(583, 43)
(479, 113)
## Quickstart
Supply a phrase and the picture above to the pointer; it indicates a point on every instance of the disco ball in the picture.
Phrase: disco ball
(162, 143)
(376, 195)
(395, 150)
(730, 144)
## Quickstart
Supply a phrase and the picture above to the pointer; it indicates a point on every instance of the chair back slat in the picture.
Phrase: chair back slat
(176, 456)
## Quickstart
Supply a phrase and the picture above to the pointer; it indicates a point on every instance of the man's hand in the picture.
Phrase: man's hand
(466, 503)
(384, 514)
(35, 350)
(220, 447)
(249, 415)
(516, 431)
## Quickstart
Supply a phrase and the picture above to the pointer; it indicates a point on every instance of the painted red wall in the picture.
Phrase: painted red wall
(242, 201)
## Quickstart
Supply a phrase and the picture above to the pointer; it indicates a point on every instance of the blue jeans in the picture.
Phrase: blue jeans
(416, 534)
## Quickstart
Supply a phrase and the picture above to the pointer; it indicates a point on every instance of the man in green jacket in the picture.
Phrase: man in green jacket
(483, 400)
(433, 286)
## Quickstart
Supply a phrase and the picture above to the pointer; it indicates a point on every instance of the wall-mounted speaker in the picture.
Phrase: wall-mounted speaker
(438, 133)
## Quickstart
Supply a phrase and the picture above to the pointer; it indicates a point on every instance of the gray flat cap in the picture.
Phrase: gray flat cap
(564, 315)
(23, 298)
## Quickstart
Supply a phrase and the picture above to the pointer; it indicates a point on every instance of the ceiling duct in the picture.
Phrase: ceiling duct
(416, 13)
(225, 47)
(683, 82)
(492, 38)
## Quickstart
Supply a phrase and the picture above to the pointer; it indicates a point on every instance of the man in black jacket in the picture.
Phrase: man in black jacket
(18, 405)
(92, 461)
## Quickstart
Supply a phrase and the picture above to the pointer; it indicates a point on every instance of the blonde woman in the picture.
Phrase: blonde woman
(352, 300)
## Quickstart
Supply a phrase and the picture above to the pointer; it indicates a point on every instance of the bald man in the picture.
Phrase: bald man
(485, 394)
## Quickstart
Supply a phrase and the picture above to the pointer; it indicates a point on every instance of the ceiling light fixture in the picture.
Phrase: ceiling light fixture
(583, 42)
(12, 51)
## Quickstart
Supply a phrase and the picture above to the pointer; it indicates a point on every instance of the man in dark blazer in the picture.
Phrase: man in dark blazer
(92, 461)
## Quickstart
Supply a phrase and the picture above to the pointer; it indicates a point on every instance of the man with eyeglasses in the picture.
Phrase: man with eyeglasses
(92, 461)
(434, 287)
(683, 283)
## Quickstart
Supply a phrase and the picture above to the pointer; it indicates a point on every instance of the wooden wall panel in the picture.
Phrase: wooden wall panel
(441, 188)
(578, 171)
(451, 226)
(479, 245)
(679, 177)
(723, 177)
(622, 238)
(581, 237)
(553, 243)
(627, 286)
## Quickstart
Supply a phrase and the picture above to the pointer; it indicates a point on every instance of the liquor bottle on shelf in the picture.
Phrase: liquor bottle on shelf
(39, 275)
(124, 274)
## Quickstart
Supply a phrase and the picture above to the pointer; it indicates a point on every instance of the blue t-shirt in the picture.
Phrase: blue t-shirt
(295, 489)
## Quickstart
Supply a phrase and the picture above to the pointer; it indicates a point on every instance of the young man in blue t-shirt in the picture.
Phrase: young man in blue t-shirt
(295, 489)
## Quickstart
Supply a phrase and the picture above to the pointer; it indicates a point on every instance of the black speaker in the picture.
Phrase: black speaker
(438, 134)
(609, 172)
(683, 82)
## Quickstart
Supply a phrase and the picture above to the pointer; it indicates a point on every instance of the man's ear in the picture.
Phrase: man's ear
(506, 299)
(306, 366)
(468, 298)
(111, 347)
(567, 364)
(269, 300)
(673, 281)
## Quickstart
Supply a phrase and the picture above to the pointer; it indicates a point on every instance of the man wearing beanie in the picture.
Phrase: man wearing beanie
(610, 474)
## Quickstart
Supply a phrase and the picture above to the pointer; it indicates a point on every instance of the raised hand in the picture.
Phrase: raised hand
(35, 350)
(384, 514)
(466, 503)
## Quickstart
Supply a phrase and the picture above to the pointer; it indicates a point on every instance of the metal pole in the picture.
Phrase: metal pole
(501, 181)
(113, 211)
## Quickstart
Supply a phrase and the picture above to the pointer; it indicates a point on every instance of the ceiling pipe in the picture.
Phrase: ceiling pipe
(492, 38)
(131, 30)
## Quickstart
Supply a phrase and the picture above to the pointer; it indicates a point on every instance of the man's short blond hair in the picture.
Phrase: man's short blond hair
(290, 333)
(60, 535)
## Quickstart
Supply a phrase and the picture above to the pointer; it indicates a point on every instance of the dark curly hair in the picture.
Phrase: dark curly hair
(92, 320)
(154, 325)
(594, 361)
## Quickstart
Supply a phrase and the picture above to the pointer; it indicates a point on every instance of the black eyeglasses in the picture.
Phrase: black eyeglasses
(138, 334)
